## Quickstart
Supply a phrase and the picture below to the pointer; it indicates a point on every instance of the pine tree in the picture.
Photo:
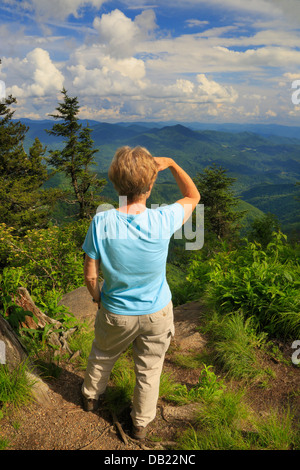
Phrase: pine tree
(77, 156)
(262, 229)
(219, 201)
(23, 203)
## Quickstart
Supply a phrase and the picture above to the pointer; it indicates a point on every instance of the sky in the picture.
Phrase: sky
(208, 61)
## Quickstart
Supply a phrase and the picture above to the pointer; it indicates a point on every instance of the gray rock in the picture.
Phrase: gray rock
(80, 303)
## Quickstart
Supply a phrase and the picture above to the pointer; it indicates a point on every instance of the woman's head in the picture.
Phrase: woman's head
(132, 172)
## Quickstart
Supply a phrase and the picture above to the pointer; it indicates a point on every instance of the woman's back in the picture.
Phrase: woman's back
(132, 249)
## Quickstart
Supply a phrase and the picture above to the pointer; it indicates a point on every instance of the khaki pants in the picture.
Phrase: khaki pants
(150, 336)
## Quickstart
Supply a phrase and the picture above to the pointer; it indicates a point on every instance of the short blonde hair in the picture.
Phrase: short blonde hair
(132, 171)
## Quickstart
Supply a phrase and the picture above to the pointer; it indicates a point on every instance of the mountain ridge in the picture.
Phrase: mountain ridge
(255, 160)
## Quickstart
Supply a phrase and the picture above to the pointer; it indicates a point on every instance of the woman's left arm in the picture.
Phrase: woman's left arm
(91, 277)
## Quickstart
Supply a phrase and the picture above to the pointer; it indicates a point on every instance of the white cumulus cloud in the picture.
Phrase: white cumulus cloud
(117, 32)
(120, 34)
(36, 75)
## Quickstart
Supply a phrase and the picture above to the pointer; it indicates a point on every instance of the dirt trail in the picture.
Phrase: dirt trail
(63, 425)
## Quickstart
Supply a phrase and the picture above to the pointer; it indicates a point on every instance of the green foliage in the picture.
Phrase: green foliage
(198, 269)
(15, 385)
(219, 200)
(23, 203)
(281, 199)
(275, 431)
(46, 259)
(188, 361)
(49, 263)
(208, 388)
(218, 425)
(229, 424)
(81, 341)
(13, 313)
(4, 443)
(77, 156)
(235, 342)
(261, 230)
(119, 395)
(228, 410)
(36, 339)
(261, 283)
(182, 290)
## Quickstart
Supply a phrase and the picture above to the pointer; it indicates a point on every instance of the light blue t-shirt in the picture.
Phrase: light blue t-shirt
(133, 249)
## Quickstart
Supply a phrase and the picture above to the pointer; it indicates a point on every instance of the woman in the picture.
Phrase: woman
(130, 246)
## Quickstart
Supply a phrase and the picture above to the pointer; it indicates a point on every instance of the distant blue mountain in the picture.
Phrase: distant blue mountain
(259, 157)
(124, 129)
(268, 130)
(261, 129)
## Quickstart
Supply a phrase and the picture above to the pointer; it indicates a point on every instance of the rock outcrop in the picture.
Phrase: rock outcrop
(80, 304)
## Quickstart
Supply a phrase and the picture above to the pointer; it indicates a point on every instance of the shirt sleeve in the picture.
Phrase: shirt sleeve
(90, 244)
(173, 215)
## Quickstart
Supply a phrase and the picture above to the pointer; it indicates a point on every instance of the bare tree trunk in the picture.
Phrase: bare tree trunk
(12, 351)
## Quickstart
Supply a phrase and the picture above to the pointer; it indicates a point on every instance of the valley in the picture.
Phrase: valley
(266, 166)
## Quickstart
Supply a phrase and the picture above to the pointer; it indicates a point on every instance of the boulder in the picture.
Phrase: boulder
(80, 304)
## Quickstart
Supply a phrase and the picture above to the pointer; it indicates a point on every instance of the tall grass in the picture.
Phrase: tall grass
(82, 341)
(235, 342)
(119, 394)
(15, 385)
(276, 431)
(218, 426)
(229, 424)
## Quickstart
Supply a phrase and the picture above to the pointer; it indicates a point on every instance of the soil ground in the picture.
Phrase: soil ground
(65, 426)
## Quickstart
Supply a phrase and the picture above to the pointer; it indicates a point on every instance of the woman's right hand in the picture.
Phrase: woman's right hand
(163, 162)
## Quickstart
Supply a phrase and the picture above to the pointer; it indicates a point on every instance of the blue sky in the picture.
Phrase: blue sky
(147, 60)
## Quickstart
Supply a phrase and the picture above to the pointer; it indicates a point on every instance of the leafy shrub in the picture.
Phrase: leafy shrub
(261, 283)
(9, 282)
(208, 388)
(198, 272)
(50, 259)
